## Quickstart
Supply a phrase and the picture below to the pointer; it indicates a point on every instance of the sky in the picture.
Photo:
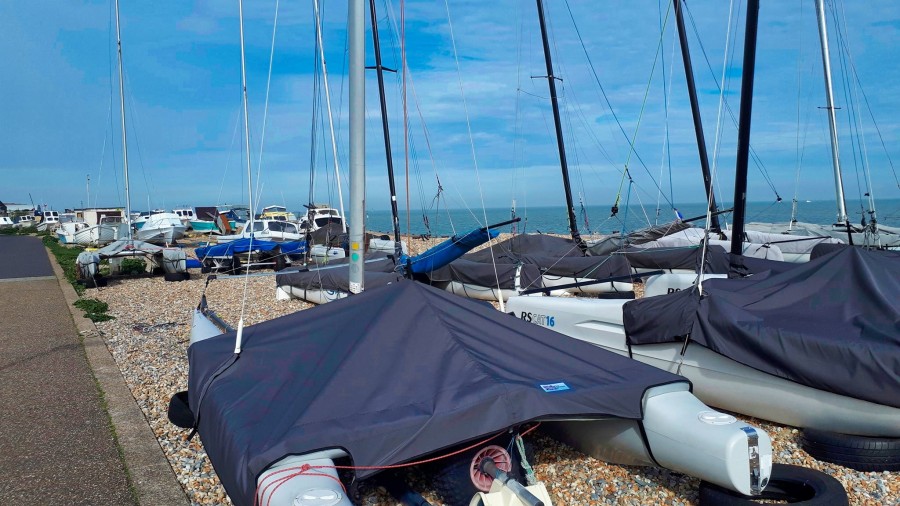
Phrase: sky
(480, 126)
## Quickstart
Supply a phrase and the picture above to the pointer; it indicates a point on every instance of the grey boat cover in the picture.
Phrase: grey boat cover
(528, 244)
(614, 243)
(685, 257)
(554, 256)
(391, 375)
(378, 268)
(832, 323)
(500, 275)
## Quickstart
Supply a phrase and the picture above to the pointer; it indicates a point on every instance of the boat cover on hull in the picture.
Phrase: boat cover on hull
(228, 249)
(501, 275)
(379, 271)
(832, 323)
(391, 375)
(447, 251)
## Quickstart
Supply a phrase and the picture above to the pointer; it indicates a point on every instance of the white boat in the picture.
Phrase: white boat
(49, 222)
(717, 379)
(269, 230)
(162, 228)
(186, 215)
(320, 215)
(24, 221)
(6, 222)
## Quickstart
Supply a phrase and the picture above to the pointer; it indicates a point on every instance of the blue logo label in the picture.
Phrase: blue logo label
(555, 387)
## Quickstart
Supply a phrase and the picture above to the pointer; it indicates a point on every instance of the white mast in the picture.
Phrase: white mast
(356, 25)
(832, 123)
(337, 171)
(124, 141)
(246, 118)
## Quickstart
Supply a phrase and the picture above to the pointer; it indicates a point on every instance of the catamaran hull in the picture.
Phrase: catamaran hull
(677, 432)
(718, 380)
(314, 296)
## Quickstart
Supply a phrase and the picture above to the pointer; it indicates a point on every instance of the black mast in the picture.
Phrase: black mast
(395, 215)
(743, 146)
(573, 225)
(695, 111)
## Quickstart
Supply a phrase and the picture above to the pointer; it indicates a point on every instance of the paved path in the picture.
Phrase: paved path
(57, 444)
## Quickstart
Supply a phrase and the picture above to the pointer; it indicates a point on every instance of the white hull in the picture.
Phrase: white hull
(91, 236)
(166, 235)
(680, 432)
(287, 292)
(718, 380)
(593, 289)
(479, 292)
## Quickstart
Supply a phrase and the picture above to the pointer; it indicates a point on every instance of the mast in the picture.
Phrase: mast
(337, 171)
(246, 118)
(564, 166)
(695, 111)
(356, 25)
(124, 140)
(379, 70)
(832, 122)
(743, 146)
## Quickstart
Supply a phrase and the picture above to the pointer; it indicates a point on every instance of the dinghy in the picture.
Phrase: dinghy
(813, 346)
(404, 371)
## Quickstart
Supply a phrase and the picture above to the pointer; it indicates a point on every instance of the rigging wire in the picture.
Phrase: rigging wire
(632, 150)
(262, 137)
(471, 143)
(753, 154)
(715, 167)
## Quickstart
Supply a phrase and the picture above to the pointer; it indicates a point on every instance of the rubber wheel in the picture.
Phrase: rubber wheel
(793, 484)
(98, 282)
(179, 412)
(235, 265)
(176, 276)
(862, 453)
(205, 269)
(453, 477)
(280, 262)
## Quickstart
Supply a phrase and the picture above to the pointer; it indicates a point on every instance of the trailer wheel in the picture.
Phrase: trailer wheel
(280, 262)
(459, 478)
(179, 412)
(205, 269)
(235, 265)
(862, 453)
(793, 484)
(97, 282)
(176, 276)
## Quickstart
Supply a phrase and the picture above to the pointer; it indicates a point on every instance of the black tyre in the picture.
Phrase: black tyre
(235, 265)
(205, 269)
(180, 411)
(176, 276)
(862, 453)
(793, 484)
(280, 262)
(98, 282)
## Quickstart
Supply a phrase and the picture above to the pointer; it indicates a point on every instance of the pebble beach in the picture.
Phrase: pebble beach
(149, 336)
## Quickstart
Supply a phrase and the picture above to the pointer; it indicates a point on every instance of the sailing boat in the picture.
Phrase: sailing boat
(171, 260)
(766, 345)
(871, 234)
(395, 374)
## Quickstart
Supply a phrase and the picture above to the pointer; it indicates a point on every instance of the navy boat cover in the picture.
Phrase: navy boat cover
(832, 323)
(391, 375)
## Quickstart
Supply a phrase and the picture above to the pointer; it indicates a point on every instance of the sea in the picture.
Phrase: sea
(595, 220)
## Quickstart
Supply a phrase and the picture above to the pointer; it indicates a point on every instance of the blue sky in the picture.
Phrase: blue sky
(60, 109)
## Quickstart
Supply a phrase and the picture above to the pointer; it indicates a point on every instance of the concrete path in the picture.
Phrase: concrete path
(57, 440)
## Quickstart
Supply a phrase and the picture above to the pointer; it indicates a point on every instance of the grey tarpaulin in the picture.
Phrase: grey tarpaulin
(832, 323)
(393, 374)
